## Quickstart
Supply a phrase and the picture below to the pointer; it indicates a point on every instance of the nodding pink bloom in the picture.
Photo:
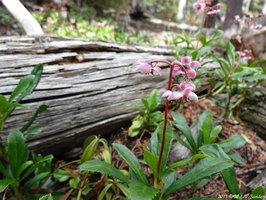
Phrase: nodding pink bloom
(147, 68)
(246, 54)
(185, 92)
(199, 6)
(186, 67)
(256, 26)
(237, 20)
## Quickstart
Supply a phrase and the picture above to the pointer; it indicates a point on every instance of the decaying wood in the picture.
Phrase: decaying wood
(253, 112)
(88, 86)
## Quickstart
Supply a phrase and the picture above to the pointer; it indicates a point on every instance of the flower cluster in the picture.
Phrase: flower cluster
(246, 54)
(206, 7)
(186, 67)
(250, 21)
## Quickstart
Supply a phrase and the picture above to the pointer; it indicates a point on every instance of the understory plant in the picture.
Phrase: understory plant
(21, 172)
(164, 180)
(148, 118)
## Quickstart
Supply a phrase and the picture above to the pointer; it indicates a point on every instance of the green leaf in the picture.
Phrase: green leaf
(39, 163)
(231, 54)
(46, 197)
(41, 109)
(168, 141)
(17, 151)
(183, 162)
(104, 168)
(138, 191)
(214, 150)
(234, 142)
(181, 124)
(136, 126)
(131, 160)
(3, 170)
(138, 108)
(204, 198)
(74, 182)
(104, 191)
(236, 158)
(206, 167)
(34, 180)
(89, 151)
(214, 133)
(168, 180)
(151, 160)
(24, 166)
(20, 89)
(204, 128)
(62, 175)
(124, 189)
(258, 193)
(153, 100)
(5, 183)
(230, 179)
(181, 141)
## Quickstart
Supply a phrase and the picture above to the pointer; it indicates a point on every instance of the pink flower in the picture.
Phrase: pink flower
(237, 20)
(213, 12)
(184, 92)
(186, 66)
(147, 68)
(199, 6)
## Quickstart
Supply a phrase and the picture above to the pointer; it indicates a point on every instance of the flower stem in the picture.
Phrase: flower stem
(158, 181)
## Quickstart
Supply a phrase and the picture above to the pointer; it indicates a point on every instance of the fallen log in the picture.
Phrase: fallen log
(88, 86)
(253, 113)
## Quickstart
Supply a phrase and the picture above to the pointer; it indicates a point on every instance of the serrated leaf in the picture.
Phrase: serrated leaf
(258, 193)
(138, 191)
(206, 167)
(131, 160)
(104, 168)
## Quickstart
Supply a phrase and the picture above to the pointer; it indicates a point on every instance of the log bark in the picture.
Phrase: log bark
(253, 112)
(88, 86)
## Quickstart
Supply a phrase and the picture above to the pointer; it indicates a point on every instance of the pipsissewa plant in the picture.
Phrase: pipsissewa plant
(148, 117)
(156, 156)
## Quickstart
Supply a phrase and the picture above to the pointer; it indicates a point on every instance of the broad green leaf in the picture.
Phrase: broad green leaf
(230, 179)
(17, 151)
(46, 197)
(138, 191)
(156, 117)
(234, 142)
(61, 175)
(5, 183)
(89, 150)
(168, 142)
(181, 141)
(151, 160)
(131, 160)
(206, 167)
(258, 193)
(154, 143)
(181, 124)
(214, 150)
(236, 158)
(104, 191)
(103, 168)
(138, 108)
(3, 170)
(231, 54)
(4, 105)
(40, 109)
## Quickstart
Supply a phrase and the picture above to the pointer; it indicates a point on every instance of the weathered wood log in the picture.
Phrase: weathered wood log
(253, 112)
(88, 86)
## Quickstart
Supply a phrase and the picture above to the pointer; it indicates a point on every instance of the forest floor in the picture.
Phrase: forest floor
(254, 152)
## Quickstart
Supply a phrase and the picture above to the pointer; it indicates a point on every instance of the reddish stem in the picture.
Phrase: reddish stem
(164, 128)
